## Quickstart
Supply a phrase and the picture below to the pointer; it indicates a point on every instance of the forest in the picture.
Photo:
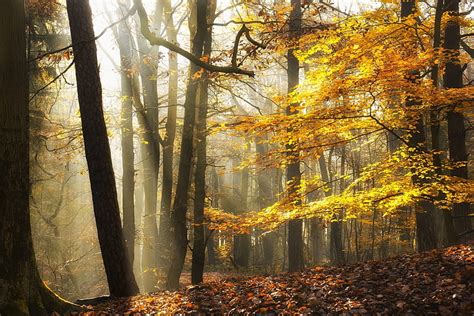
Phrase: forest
(236, 157)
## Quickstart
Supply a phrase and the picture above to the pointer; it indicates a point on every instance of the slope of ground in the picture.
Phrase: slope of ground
(436, 282)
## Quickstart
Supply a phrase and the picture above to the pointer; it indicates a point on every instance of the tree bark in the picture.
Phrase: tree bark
(178, 214)
(104, 193)
(293, 173)
(21, 290)
(456, 130)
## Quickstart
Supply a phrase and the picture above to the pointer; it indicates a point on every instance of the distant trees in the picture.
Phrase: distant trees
(104, 195)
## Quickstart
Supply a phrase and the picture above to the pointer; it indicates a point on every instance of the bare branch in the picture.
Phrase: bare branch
(159, 41)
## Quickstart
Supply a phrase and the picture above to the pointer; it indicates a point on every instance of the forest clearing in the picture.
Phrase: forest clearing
(236, 157)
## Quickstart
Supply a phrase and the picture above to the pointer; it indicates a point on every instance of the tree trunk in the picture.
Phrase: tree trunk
(168, 139)
(210, 246)
(426, 238)
(151, 158)
(101, 174)
(199, 240)
(21, 290)
(435, 128)
(293, 174)
(335, 237)
(264, 186)
(128, 159)
(241, 241)
(456, 129)
(178, 214)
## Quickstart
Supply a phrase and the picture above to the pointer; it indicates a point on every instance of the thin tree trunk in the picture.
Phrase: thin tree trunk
(199, 240)
(335, 237)
(151, 158)
(293, 174)
(128, 159)
(101, 174)
(178, 214)
(210, 246)
(264, 184)
(168, 139)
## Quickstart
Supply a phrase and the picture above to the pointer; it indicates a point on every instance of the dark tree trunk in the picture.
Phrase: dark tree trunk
(435, 123)
(456, 129)
(199, 240)
(168, 139)
(293, 174)
(128, 159)
(199, 246)
(21, 290)
(178, 214)
(101, 174)
(426, 238)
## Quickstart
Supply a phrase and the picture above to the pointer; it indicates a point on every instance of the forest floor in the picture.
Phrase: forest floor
(435, 282)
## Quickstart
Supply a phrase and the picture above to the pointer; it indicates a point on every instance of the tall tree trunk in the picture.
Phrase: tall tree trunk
(426, 238)
(21, 290)
(435, 123)
(178, 214)
(293, 174)
(128, 159)
(199, 240)
(151, 157)
(456, 129)
(168, 139)
(101, 174)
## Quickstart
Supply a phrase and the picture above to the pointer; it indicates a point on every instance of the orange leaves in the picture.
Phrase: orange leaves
(436, 282)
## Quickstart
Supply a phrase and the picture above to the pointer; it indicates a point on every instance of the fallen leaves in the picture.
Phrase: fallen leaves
(436, 282)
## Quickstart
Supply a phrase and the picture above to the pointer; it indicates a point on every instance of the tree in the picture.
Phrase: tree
(170, 135)
(178, 213)
(150, 147)
(199, 240)
(21, 290)
(425, 234)
(128, 159)
(104, 193)
(293, 173)
(456, 130)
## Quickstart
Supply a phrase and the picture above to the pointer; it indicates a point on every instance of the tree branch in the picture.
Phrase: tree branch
(158, 41)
